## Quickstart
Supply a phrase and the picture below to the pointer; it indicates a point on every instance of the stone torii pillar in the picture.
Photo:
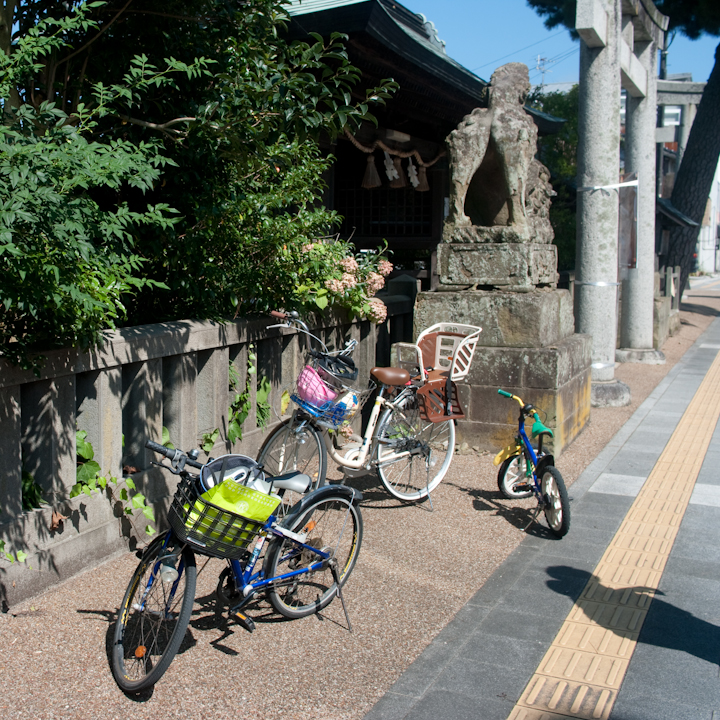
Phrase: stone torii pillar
(605, 60)
(642, 33)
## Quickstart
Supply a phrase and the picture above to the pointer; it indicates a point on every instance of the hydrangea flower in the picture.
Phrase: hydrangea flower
(349, 265)
(334, 285)
(385, 267)
(377, 312)
(375, 282)
(348, 281)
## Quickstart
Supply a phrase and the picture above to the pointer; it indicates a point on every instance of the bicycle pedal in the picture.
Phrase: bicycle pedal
(522, 487)
(244, 620)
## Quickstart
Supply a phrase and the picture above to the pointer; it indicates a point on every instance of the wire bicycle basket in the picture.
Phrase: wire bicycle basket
(214, 530)
(323, 392)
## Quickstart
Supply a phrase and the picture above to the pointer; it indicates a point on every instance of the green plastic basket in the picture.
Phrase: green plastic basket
(223, 521)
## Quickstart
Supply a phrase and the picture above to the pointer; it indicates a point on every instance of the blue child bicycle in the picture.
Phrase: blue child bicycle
(525, 472)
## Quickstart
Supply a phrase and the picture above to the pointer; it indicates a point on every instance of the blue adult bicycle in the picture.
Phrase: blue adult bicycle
(308, 556)
(525, 471)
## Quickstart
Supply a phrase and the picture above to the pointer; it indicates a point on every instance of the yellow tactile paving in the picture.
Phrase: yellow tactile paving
(582, 671)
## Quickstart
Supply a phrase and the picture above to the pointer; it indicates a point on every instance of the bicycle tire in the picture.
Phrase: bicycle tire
(408, 477)
(556, 501)
(145, 640)
(512, 473)
(294, 446)
(332, 523)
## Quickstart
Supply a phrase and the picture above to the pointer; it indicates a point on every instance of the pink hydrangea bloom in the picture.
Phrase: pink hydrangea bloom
(334, 285)
(345, 430)
(348, 281)
(385, 267)
(375, 282)
(377, 312)
(349, 265)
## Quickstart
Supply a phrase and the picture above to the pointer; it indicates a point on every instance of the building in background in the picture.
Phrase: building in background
(390, 182)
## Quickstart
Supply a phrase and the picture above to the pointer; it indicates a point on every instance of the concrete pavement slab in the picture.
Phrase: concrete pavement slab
(673, 672)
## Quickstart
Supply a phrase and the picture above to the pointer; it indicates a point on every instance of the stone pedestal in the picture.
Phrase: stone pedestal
(497, 269)
(528, 348)
(517, 267)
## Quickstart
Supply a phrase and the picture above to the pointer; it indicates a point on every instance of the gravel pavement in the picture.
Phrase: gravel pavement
(416, 569)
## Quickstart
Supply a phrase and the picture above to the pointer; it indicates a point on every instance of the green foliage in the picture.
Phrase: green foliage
(87, 468)
(19, 556)
(124, 490)
(32, 494)
(559, 154)
(68, 260)
(262, 405)
(691, 17)
(242, 404)
(106, 131)
(166, 439)
(209, 439)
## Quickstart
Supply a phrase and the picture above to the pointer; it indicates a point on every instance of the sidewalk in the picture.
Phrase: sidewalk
(621, 618)
(426, 640)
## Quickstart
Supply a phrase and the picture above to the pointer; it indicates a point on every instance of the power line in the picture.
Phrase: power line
(492, 62)
(555, 61)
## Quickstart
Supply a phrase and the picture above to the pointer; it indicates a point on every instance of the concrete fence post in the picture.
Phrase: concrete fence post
(99, 414)
(142, 410)
(10, 453)
(180, 399)
(48, 434)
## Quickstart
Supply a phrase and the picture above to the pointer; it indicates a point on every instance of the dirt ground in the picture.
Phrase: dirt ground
(416, 569)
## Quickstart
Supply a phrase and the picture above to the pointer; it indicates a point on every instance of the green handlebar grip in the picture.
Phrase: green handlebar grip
(505, 393)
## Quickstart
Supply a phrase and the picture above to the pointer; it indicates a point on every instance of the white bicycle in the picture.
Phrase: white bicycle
(410, 435)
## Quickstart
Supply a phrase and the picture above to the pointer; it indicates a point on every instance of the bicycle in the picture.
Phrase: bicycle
(308, 557)
(410, 435)
(525, 472)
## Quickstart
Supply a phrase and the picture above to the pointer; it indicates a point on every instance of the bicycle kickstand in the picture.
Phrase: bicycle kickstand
(533, 518)
(336, 577)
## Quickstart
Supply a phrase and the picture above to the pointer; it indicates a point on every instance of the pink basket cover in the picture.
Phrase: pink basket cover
(312, 388)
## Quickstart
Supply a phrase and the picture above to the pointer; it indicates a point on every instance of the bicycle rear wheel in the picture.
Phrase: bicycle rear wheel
(513, 482)
(153, 618)
(426, 450)
(294, 446)
(557, 503)
(332, 524)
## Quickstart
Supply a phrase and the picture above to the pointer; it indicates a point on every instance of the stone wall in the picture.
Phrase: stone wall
(527, 346)
(173, 375)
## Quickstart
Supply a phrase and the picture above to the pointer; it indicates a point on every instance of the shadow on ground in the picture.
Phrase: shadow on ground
(666, 625)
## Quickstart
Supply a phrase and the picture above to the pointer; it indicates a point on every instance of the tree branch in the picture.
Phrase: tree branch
(165, 128)
(172, 17)
(102, 30)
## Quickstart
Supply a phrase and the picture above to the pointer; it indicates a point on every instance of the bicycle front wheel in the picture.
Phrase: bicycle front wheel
(331, 524)
(153, 617)
(413, 455)
(556, 501)
(294, 446)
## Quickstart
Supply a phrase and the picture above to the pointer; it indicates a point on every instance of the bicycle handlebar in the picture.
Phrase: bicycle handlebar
(172, 454)
(526, 409)
(292, 319)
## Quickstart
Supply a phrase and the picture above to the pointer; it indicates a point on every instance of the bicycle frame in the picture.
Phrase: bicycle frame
(369, 443)
(535, 461)
(249, 582)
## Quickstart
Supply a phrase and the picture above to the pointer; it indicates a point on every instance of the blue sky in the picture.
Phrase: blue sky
(480, 33)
